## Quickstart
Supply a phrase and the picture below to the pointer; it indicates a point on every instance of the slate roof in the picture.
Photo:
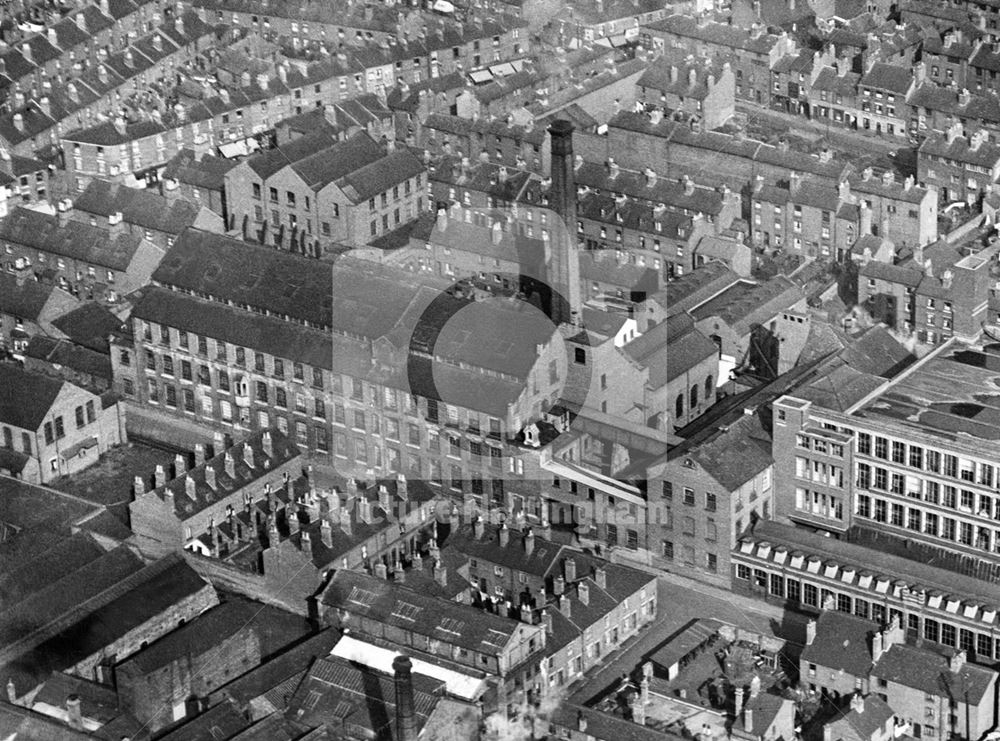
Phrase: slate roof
(382, 520)
(30, 618)
(268, 334)
(742, 306)
(26, 724)
(669, 191)
(275, 628)
(542, 559)
(907, 275)
(89, 325)
(381, 175)
(340, 160)
(246, 274)
(89, 244)
(721, 34)
(402, 608)
(187, 504)
(873, 717)
(26, 398)
(142, 207)
(225, 720)
(603, 726)
(927, 671)
(154, 590)
(735, 455)
(270, 161)
(25, 301)
(358, 696)
(670, 349)
(891, 77)
(208, 172)
(69, 355)
(765, 707)
(986, 154)
(695, 287)
(843, 642)
(97, 701)
(894, 190)
(294, 662)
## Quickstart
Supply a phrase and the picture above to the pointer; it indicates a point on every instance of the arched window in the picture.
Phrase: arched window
(679, 406)
(694, 396)
(709, 387)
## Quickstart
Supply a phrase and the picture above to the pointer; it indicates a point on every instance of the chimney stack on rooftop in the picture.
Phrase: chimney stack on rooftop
(160, 475)
(74, 712)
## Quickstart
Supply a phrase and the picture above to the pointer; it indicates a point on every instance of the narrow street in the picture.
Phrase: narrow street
(852, 140)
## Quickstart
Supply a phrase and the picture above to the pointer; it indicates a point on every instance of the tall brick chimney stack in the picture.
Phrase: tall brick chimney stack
(564, 267)
(406, 716)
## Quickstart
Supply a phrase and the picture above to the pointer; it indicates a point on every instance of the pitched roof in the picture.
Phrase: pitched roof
(203, 634)
(734, 456)
(865, 721)
(26, 398)
(380, 175)
(670, 349)
(246, 274)
(960, 149)
(842, 642)
(399, 607)
(291, 663)
(337, 692)
(188, 502)
(142, 207)
(69, 355)
(928, 671)
(207, 172)
(340, 160)
(89, 325)
(745, 304)
(891, 77)
(24, 301)
(154, 590)
(515, 556)
(89, 244)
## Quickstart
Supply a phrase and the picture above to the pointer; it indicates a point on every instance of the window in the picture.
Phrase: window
(688, 496)
(710, 501)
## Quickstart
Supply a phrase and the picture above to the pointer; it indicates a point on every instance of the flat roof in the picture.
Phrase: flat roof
(953, 393)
